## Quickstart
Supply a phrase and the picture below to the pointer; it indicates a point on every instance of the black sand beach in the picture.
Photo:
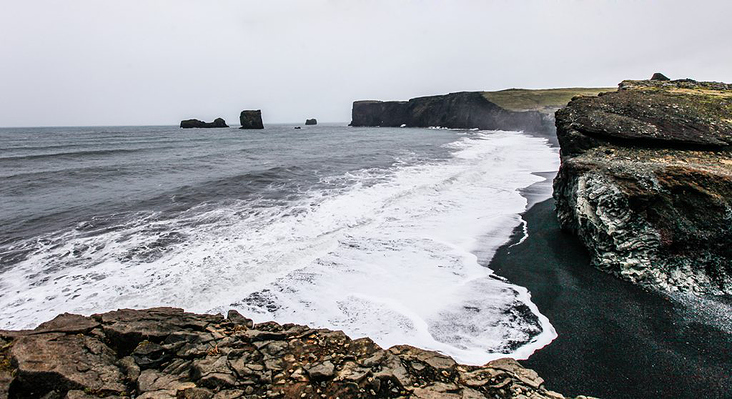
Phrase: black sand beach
(616, 340)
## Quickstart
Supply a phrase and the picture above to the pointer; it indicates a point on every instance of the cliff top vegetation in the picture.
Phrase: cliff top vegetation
(542, 100)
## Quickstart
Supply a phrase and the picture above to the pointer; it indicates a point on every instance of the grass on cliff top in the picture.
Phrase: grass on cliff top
(543, 100)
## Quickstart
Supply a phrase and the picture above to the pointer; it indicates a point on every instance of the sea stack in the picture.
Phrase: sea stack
(311, 121)
(195, 123)
(646, 182)
(251, 119)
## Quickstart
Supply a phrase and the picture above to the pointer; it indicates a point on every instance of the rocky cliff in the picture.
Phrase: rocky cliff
(455, 110)
(167, 353)
(646, 182)
(512, 109)
(251, 119)
(195, 123)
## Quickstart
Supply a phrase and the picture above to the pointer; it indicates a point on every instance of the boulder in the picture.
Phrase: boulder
(195, 123)
(646, 182)
(251, 119)
(311, 121)
(659, 76)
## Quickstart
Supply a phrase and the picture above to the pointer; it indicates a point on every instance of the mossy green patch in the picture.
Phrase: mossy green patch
(542, 100)
(5, 364)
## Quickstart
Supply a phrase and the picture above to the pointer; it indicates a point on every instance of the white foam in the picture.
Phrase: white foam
(393, 259)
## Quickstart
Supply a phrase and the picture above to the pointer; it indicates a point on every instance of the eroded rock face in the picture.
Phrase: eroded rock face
(456, 110)
(251, 119)
(167, 353)
(195, 123)
(311, 121)
(646, 182)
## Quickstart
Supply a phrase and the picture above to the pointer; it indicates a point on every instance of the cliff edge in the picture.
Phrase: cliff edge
(646, 182)
(167, 353)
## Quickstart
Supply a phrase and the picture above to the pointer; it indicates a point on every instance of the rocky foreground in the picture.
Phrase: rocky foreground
(646, 182)
(167, 353)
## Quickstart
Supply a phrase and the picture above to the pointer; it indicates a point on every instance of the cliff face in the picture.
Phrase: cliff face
(455, 110)
(646, 182)
(166, 353)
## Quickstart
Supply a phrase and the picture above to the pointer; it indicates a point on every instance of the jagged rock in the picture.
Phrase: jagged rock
(195, 123)
(149, 354)
(311, 121)
(251, 119)
(63, 361)
(236, 317)
(183, 355)
(646, 182)
(68, 323)
(659, 76)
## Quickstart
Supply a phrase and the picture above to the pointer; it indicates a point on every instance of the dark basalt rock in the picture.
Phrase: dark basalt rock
(646, 182)
(195, 123)
(456, 110)
(311, 121)
(184, 355)
(251, 119)
(659, 76)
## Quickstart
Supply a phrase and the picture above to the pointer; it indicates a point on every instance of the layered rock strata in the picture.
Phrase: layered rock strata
(167, 353)
(456, 110)
(646, 182)
(251, 119)
(195, 123)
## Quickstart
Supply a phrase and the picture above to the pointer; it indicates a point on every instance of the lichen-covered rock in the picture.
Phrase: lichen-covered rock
(646, 182)
(251, 119)
(184, 355)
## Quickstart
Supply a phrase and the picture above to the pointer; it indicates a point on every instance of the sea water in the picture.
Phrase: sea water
(379, 232)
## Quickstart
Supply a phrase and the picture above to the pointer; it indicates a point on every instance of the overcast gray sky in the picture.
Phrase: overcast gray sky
(131, 62)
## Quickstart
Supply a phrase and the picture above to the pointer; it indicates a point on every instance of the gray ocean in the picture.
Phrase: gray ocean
(380, 232)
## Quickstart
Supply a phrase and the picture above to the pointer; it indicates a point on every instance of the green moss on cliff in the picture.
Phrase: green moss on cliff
(544, 100)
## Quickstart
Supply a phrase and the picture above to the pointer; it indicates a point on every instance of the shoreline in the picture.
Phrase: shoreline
(615, 339)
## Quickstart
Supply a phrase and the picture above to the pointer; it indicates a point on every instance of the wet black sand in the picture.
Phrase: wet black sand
(616, 340)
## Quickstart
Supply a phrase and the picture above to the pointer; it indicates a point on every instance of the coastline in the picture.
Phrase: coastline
(616, 340)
